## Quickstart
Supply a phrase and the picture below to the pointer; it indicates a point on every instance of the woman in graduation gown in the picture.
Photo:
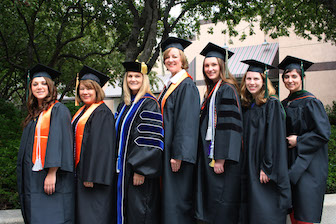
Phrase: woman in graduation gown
(140, 144)
(93, 126)
(45, 158)
(180, 106)
(268, 187)
(308, 132)
(219, 163)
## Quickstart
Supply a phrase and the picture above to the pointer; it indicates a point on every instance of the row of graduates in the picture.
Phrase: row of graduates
(139, 165)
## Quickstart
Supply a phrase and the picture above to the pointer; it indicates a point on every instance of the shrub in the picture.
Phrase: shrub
(331, 111)
(331, 182)
(10, 133)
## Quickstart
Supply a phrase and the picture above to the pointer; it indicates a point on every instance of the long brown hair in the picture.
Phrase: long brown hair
(209, 83)
(32, 104)
(246, 96)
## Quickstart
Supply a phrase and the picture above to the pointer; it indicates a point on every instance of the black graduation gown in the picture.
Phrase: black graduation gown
(181, 123)
(97, 165)
(218, 195)
(308, 161)
(37, 207)
(266, 149)
(141, 204)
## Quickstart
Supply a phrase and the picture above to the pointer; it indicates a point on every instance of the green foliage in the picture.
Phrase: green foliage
(10, 132)
(331, 183)
(71, 106)
(331, 111)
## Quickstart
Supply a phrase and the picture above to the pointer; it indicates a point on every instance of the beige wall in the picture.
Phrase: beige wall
(320, 83)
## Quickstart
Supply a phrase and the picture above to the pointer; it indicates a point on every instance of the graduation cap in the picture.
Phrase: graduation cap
(213, 50)
(134, 66)
(40, 70)
(88, 73)
(257, 66)
(291, 62)
(175, 42)
(294, 63)
(261, 67)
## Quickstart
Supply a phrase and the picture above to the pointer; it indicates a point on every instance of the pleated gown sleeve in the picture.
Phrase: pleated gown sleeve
(308, 143)
(59, 151)
(228, 137)
(146, 154)
(274, 162)
(97, 161)
(186, 123)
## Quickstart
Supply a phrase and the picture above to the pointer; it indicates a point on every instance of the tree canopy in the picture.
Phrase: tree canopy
(68, 34)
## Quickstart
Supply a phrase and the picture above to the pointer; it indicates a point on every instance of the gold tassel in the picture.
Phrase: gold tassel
(76, 89)
(144, 68)
(212, 163)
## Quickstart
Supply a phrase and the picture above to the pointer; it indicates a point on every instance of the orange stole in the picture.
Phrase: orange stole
(79, 130)
(171, 88)
(41, 140)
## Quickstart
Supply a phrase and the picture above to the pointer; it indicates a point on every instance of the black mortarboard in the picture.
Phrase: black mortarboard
(213, 50)
(175, 42)
(294, 63)
(134, 66)
(257, 66)
(92, 74)
(40, 70)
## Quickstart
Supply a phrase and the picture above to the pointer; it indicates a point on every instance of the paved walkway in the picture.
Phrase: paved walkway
(328, 217)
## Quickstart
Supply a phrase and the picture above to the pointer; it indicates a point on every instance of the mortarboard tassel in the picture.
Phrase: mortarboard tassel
(28, 81)
(162, 62)
(144, 68)
(226, 64)
(76, 96)
(266, 81)
(303, 75)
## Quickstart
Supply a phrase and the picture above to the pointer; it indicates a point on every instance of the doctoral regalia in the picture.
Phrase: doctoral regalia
(266, 149)
(97, 165)
(181, 123)
(140, 144)
(37, 207)
(308, 161)
(218, 195)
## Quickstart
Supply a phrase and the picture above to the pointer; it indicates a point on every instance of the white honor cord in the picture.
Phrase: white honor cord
(38, 162)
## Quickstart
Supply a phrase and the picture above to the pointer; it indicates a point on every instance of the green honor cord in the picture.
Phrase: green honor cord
(266, 87)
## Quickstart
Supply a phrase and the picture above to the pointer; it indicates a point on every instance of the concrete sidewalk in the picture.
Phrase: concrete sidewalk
(328, 217)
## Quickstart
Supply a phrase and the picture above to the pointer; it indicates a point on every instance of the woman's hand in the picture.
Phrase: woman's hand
(138, 179)
(50, 181)
(292, 140)
(175, 164)
(263, 177)
(219, 166)
(88, 184)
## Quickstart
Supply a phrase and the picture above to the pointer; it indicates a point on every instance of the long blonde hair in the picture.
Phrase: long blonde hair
(32, 104)
(246, 96)
(145, 88)
(209, 83)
